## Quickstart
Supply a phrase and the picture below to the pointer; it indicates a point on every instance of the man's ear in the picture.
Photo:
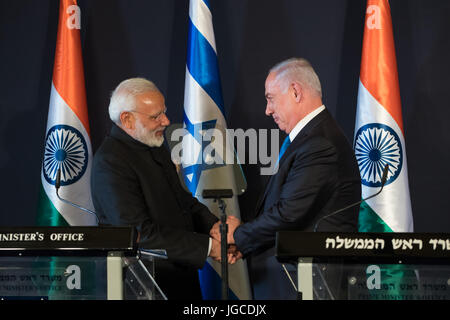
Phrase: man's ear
(127, 120)
(297, 91)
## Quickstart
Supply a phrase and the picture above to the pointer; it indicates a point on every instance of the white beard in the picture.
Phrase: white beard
(148, 137)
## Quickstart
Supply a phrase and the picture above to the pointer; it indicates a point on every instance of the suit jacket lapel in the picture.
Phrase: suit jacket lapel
(294, 144)
(304, 133)
(263, 195)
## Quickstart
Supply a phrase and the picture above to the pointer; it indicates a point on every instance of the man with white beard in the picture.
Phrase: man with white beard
(135, 183)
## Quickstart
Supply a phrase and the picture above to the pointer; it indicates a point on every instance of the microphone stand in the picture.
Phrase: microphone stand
(58, 184)
(218, 196)
(223, 247)
(383, 182)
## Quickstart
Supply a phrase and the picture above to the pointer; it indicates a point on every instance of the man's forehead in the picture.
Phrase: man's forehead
(271, 83)
(151, 99)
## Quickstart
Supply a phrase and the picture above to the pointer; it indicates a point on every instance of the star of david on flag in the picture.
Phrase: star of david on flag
(201, 134)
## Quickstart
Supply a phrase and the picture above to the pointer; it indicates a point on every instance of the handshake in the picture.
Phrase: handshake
(233, 254)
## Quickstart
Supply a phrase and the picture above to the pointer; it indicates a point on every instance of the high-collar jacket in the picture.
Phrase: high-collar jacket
(133, 184)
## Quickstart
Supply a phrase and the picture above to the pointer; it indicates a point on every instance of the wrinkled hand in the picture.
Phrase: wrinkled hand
(233, 254)
(215, 231)
(232, 223)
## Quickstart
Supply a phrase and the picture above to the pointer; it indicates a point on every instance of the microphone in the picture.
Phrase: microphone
(58, 184)
(383, 182)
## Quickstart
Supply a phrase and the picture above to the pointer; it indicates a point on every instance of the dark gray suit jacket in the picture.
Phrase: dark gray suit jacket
(133, 184)
(317, 175)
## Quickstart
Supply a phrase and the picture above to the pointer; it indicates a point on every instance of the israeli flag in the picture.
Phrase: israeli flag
(207, 156)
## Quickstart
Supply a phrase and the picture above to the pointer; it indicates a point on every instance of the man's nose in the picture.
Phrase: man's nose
(269, 111)
(165, 121)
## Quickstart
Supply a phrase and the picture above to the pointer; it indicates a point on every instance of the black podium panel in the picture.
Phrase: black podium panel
(84, 241)
(364, 246)
(368, 266)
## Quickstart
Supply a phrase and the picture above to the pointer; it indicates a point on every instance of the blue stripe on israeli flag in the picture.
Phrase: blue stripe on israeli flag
(201, 17)
(203, 66)
(206, 2)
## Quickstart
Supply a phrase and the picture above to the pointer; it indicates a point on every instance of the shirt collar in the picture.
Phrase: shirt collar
(302, 123)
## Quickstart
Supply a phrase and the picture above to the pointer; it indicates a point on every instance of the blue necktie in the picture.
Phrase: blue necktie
(285, 145)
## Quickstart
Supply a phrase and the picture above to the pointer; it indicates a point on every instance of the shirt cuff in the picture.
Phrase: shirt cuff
(209, 246)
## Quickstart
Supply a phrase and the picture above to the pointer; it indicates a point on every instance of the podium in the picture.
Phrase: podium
(76, 263)
(367, 266)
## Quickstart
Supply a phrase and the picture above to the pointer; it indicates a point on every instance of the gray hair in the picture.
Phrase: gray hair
(297, 70)
(123, 97)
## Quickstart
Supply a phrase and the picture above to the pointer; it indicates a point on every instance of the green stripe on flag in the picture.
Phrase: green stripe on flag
(394, 277)
(48, 216)
(51, 279)
(369, 221)
(396, 283)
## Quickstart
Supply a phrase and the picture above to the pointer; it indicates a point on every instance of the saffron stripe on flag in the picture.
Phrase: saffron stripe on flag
(379, 65)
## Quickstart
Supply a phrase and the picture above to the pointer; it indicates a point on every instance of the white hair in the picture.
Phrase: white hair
(123, 97)
(297, 70)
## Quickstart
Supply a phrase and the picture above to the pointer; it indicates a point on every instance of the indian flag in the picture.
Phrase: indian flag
(379, 132)
(67, 140)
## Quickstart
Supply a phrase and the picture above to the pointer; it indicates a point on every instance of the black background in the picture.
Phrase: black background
(148, 38)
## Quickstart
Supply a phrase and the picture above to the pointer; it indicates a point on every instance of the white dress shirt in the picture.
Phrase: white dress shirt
(302, 123)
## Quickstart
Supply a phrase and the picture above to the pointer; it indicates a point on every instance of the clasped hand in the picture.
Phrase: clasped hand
(232, 253)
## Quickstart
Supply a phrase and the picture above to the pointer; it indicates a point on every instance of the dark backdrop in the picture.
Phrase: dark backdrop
(127, 38)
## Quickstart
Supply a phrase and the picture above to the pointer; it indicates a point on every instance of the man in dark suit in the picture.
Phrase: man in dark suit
(317, 174)
(134, 182)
